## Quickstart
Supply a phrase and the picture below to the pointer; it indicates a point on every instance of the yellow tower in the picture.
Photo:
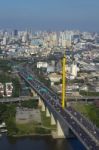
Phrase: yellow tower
(63, 80)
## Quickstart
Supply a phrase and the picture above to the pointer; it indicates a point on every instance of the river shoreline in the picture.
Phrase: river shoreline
(31, 135)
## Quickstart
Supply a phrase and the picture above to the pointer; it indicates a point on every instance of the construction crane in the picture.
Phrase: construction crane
(63, 81)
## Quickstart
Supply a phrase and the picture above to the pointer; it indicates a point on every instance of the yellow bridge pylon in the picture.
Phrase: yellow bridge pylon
(63, 81)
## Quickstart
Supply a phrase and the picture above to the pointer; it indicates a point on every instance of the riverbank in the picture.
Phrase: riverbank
(34, 128)
(8, 115)
(32, 135)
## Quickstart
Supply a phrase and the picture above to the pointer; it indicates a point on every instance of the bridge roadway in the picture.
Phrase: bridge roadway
(17, 99)
(84, 130)
(26, 98)
(88, 98)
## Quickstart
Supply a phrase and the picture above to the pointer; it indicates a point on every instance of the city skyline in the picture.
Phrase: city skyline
(50, 15)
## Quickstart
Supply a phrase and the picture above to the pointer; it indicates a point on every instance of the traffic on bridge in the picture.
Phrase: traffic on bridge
(83, 129)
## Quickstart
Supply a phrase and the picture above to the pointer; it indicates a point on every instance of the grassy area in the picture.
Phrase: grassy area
(84, 93)
(89, 110)
(5, 65)
(34, 128)
(17, 87)
(42, 130)
(5, 77)
(30, 104)
(31, 129)
(46, 121)
(7, 115)
(83, 108)
(28, 128)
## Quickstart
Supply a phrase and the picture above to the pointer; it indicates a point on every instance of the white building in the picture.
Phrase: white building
(42, 64)
(4, 42)
(74, 70)
(25, 37)
(54, 78)
(50, 69)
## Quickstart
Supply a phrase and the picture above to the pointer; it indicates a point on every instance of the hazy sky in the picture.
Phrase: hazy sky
(50, 14)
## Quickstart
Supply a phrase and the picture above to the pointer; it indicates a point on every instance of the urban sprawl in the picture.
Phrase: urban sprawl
(48, 48)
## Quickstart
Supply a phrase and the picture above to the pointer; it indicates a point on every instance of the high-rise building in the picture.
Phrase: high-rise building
(4, 42)
(74, 69)
(15, 32)
(65, 38)
(25, 37)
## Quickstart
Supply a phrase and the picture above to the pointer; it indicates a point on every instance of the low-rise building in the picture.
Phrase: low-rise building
(42, 64)
(9, 89)
(54, 78)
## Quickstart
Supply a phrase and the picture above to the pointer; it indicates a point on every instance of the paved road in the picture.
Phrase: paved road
(17, 99)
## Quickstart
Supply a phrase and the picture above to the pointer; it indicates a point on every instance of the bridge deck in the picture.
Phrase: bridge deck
(83, 132)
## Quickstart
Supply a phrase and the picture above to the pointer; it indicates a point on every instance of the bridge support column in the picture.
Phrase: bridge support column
(39, 102)
(33, 92)
(53, 122)
(43, 106)
(47, 112)
(60, 133)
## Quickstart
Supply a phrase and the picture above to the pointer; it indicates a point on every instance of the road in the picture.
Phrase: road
(17, 99)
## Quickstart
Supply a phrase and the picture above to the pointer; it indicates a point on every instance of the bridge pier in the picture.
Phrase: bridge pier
(39, 102)
(60, 133)
(33, 92)
(47, 112)
(43, 106)
(53, 122)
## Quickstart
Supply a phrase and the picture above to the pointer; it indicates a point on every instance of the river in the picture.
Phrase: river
(39, 143)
